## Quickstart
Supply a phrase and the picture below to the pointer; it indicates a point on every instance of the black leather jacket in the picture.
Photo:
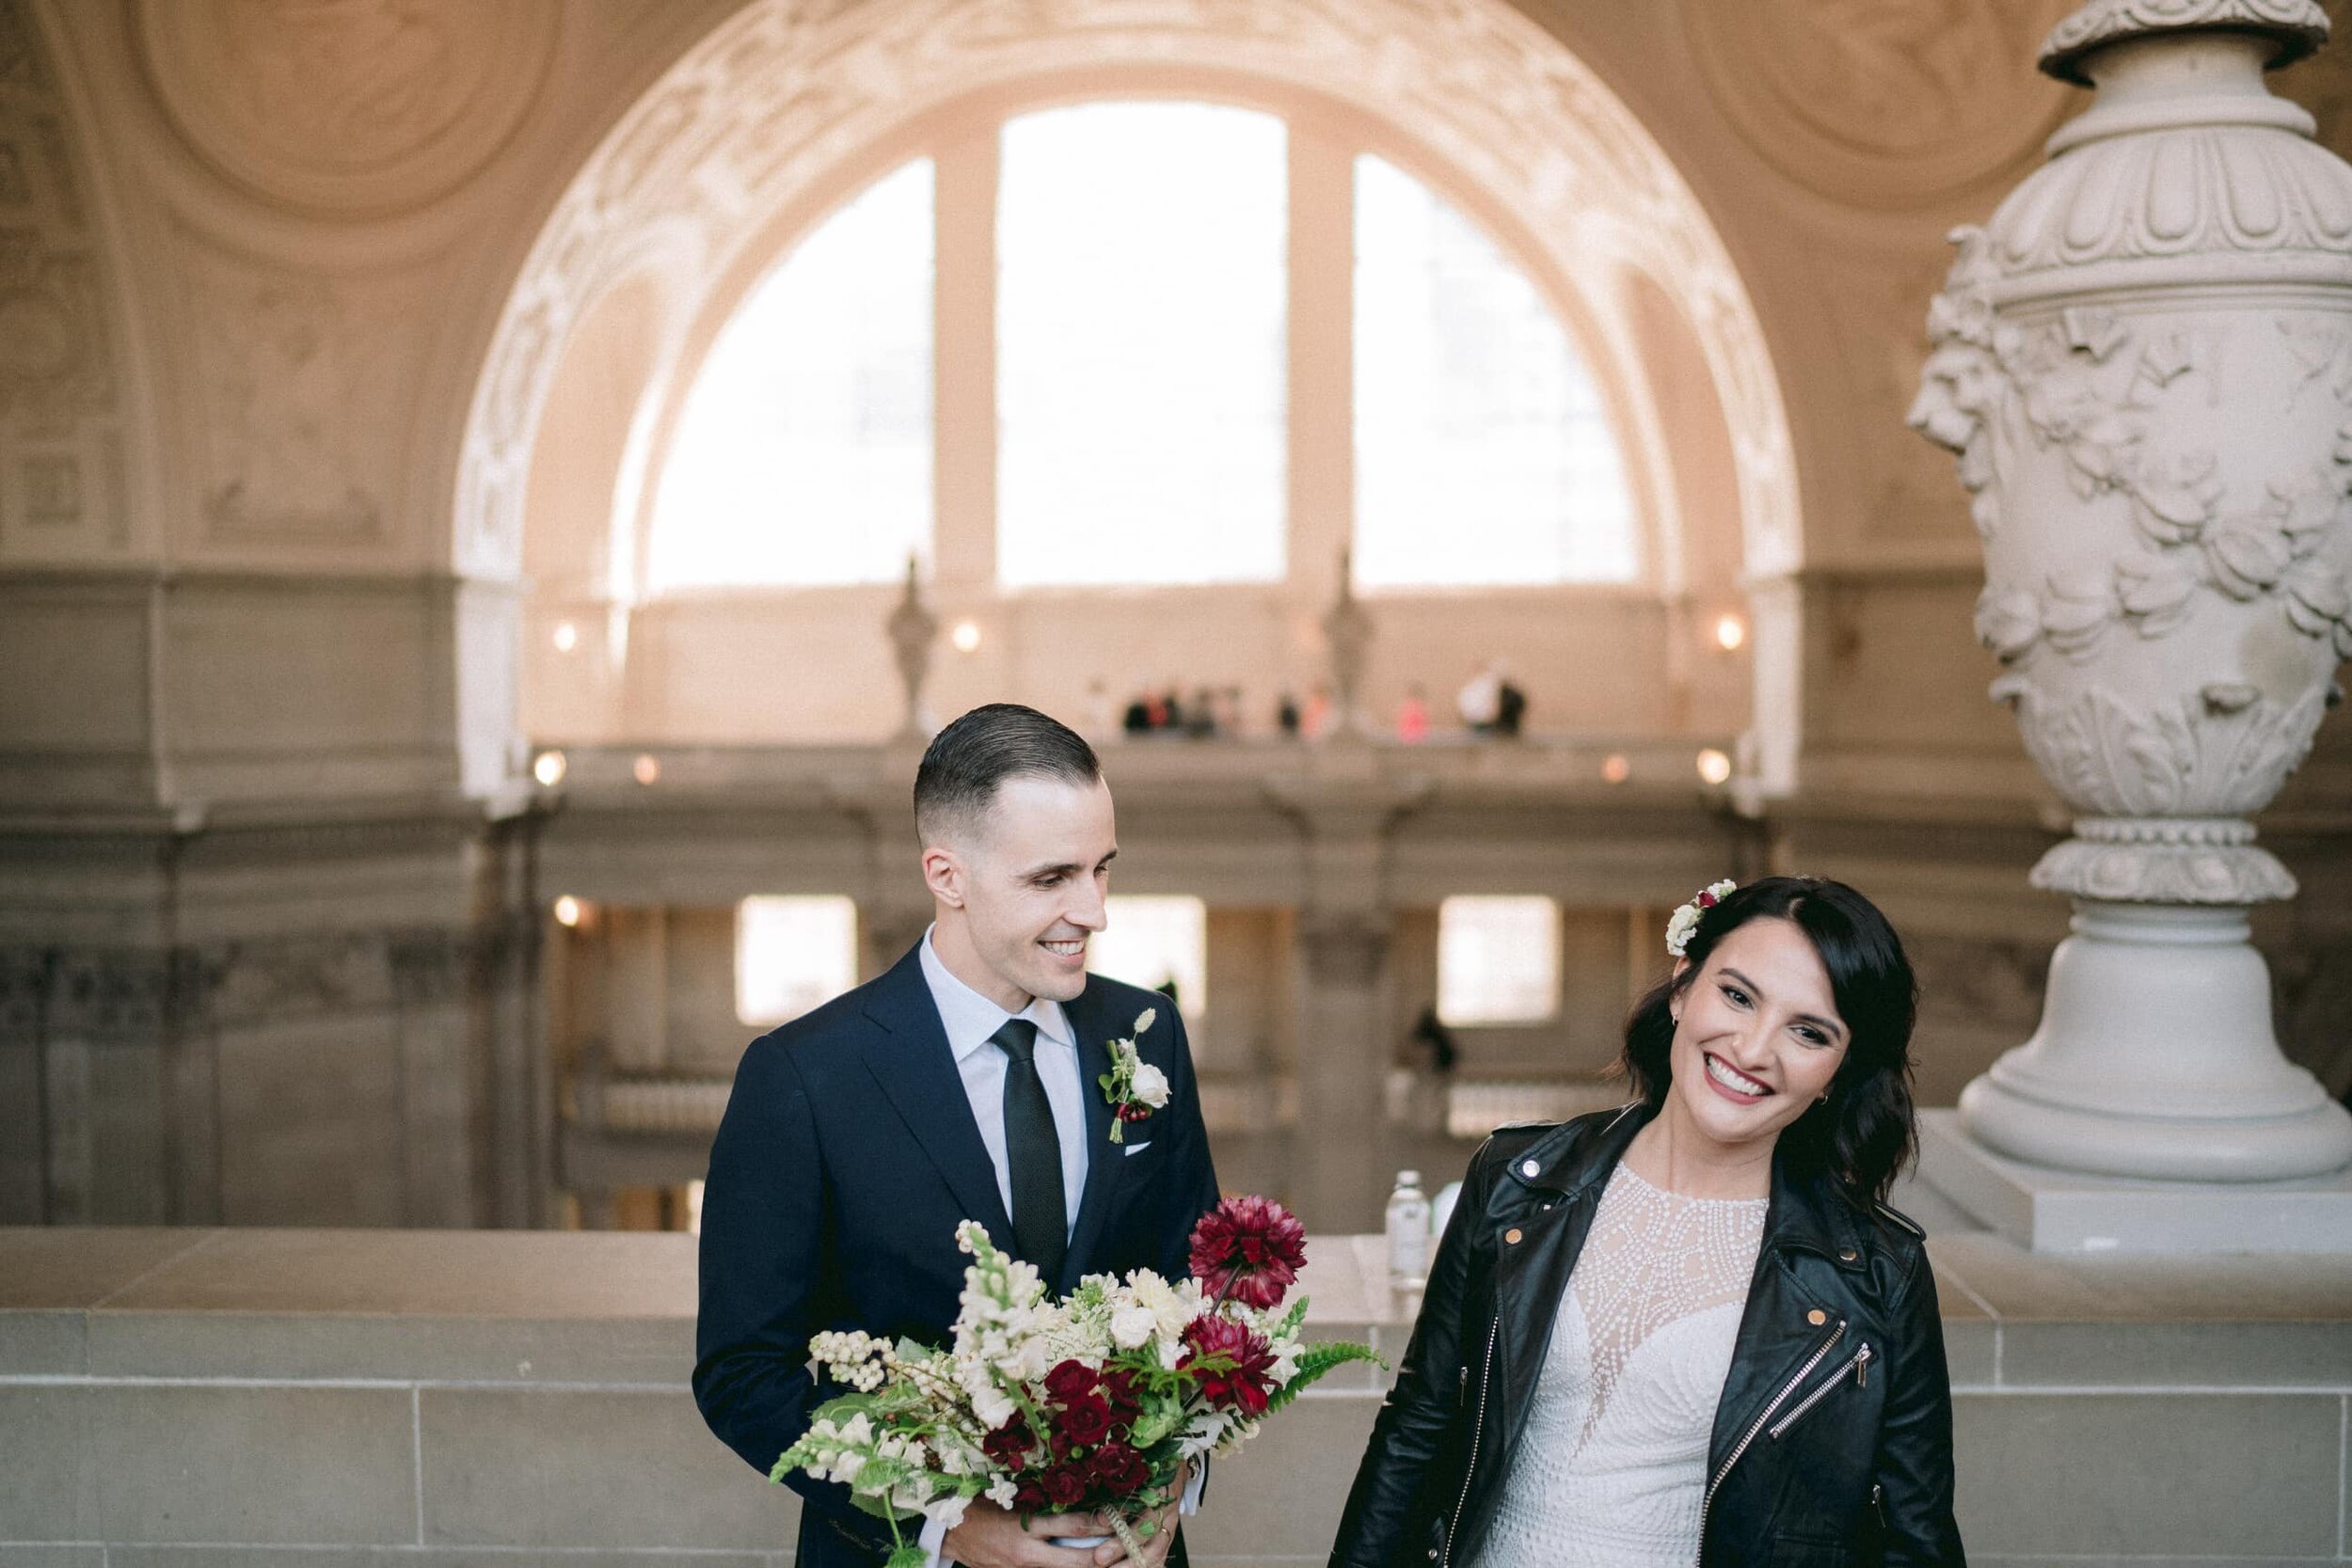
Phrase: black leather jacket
(1833, 1443)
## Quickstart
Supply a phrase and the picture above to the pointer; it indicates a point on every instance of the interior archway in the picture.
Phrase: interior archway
(772, 119)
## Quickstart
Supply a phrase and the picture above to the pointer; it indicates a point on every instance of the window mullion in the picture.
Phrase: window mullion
(1322, 392)
(964, 360)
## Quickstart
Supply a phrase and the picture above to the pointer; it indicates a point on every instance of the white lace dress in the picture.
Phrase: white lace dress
(1612, 1467)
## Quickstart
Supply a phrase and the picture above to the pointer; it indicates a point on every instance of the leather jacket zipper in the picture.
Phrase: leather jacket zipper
(1478, 1424)
(1859, 1366)
(1819, 1354)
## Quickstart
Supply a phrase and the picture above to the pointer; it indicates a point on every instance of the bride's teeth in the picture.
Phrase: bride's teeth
(1731, 1078)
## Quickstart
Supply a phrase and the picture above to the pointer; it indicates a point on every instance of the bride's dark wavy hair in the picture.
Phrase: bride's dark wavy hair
(1865, 1134)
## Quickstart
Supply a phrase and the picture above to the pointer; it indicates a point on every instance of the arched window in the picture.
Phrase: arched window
(1143, 432)
(1483, 456)
(1140, 345)
(803, 454)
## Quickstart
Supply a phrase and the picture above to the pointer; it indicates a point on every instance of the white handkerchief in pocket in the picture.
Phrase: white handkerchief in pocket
(1134, 1149)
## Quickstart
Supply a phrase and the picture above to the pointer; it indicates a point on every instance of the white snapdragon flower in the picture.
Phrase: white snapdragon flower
(1003, 1493)
(1134, 1325)
(1030, 1360)
(993, 1407)
(948, 1510)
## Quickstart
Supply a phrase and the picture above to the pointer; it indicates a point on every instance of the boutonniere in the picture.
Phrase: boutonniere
(1133, 1086)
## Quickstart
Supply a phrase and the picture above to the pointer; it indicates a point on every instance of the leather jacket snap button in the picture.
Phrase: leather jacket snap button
(1816, 1317)
(1529, 1167)
(1512, 1235)
(1848, 1255)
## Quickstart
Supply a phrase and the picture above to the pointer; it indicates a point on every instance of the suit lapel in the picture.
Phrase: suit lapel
(917, 1069)
(1103, 1158)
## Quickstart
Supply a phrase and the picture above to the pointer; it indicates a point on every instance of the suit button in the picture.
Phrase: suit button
(1529, 1167)
(1512, 1235)
(1816, 1317)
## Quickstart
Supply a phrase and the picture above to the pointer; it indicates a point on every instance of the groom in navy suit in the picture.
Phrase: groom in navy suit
(960, 1085)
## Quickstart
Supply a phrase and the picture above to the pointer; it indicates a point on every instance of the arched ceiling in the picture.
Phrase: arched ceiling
(763, 108)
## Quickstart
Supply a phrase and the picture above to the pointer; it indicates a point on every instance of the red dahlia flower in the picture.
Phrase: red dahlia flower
(1071, 1379)
(1085, 1420)
(1250, 1249)
(1119, 1469)
(1240, 1381)
(1118, 1387)
(1009, 1444)
(1064, 1484)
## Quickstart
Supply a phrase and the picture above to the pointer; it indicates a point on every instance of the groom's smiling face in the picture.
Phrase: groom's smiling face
(1020, 888)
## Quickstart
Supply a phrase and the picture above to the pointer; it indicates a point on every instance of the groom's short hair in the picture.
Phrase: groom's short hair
(968, 760)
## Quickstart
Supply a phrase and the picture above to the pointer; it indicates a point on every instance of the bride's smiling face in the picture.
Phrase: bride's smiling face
(1757, 1038)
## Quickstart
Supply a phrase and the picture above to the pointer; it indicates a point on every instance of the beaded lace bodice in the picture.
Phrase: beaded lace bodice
(1611, 1468)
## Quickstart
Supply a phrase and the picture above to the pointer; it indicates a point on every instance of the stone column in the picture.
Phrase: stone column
(1341, 1171)
(1345, 807)
(2144, 361)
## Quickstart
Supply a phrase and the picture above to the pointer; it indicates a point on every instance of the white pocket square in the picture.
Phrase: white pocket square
(1134, 1149)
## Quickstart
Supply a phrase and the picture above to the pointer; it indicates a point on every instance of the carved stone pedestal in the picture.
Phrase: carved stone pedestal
(2144, 361)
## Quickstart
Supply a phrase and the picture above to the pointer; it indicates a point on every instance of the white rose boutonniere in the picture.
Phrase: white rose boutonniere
(1133, 1086)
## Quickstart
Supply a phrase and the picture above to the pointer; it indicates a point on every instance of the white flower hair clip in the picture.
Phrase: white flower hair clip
(1686, 920)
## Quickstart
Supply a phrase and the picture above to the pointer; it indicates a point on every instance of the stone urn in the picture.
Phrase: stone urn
(2144, 361)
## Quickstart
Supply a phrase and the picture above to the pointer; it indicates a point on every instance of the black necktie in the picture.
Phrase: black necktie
(1032, 1153)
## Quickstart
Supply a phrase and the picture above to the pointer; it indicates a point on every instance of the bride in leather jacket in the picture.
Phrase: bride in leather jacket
(1691, 1331)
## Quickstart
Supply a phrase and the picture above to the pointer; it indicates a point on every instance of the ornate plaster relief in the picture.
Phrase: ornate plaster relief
(1875, 105)
(346, 108)
(60, 431)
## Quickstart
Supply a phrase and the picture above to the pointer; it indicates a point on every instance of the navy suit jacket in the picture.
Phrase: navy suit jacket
(846, 1160)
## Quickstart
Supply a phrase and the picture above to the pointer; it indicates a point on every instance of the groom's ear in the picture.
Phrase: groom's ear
(944, 873)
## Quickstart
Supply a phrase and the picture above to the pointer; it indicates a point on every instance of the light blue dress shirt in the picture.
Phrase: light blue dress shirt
(971, 1020)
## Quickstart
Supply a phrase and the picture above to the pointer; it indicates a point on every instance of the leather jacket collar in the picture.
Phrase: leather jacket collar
(1579, 1155)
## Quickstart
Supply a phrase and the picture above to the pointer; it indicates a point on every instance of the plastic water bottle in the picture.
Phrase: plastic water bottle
(1409, 1233)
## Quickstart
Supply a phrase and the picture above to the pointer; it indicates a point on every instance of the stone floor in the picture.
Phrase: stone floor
(340, 1399)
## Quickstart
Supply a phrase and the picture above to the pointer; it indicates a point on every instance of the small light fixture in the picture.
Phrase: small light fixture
(1615, 768)
(549, 768)
(567, 911)
(1732, 633)
(566, 637)
(967, 637)
(1714, 767)
(648, 767)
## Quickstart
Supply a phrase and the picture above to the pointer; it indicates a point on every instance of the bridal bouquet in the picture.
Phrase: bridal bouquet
(1087, 1404)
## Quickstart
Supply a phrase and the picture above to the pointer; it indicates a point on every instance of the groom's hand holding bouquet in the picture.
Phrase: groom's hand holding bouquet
(1045, 1419)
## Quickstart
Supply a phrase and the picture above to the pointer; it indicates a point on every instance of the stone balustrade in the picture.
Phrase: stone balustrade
(312, 1399)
